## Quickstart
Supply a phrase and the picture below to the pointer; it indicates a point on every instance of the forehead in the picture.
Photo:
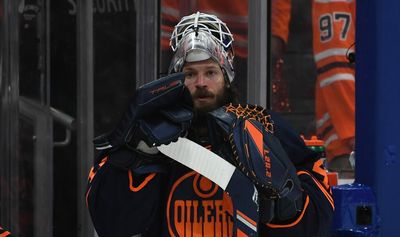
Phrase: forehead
(201, 65)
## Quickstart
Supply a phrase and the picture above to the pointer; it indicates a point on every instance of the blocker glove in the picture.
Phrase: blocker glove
(159, 113)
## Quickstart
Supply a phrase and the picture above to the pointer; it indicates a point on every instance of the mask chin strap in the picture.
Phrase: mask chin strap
(226, 78)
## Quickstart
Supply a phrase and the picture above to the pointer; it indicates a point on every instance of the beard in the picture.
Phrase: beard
(199, 128)
(217, 101)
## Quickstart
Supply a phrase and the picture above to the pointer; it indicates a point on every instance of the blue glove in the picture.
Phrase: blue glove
(158, 114)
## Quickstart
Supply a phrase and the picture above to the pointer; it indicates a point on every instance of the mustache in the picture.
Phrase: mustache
(201, 92)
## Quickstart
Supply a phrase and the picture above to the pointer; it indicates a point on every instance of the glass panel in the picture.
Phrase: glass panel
(32, 45)
(293, 82)
(8, 120)
(312, 77)
(114, 27)
(34, 188)
(234, 14)
(1, 42)
(63, 74)
(23, 180)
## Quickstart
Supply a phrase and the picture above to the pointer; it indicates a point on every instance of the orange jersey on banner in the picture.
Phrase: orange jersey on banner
(333, 38)
(170, 16)
(280, 18)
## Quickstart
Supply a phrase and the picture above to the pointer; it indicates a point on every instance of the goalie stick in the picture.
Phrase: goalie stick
(242, 190)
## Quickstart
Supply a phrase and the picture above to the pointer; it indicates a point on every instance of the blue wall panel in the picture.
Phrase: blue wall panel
(378, 106)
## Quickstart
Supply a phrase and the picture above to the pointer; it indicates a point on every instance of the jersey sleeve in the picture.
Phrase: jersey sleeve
(122, 202)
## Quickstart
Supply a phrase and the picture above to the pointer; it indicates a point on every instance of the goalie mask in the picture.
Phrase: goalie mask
(198, 37)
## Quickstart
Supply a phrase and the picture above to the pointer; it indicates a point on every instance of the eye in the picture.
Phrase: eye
(188, 75)
(211, 73)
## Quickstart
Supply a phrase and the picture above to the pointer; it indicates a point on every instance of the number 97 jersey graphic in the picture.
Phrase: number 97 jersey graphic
(333, 40)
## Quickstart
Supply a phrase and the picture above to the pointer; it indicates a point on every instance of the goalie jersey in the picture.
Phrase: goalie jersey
(165, 198)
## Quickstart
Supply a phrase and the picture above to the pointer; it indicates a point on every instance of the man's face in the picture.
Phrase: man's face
(206, 84)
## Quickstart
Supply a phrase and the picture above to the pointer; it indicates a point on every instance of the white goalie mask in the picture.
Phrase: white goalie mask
(199, 37)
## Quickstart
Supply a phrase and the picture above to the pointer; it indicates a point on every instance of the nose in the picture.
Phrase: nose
(200, 80)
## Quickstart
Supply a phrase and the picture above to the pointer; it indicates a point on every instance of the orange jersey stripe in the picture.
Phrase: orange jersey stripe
(92, 171)
(246, 218)
(256, 135)
(142, 184)
(241, 233)
(318, 168)
(87, 196)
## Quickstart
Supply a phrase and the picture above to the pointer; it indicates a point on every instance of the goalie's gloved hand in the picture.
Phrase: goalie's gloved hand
(158, 113)
(162, 127)
(140, 149)
(260, 156)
